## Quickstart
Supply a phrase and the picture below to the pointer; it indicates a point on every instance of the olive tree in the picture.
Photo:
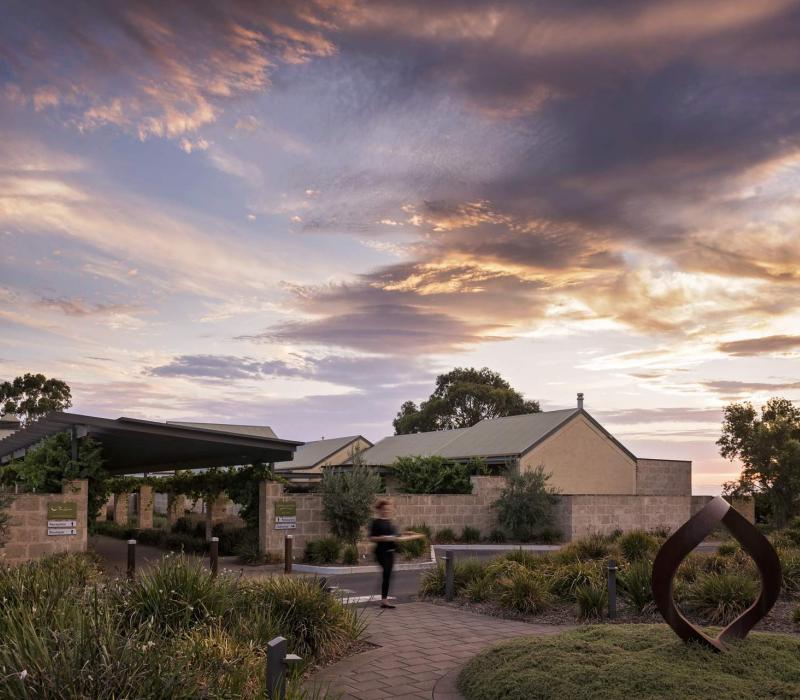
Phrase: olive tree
(347, 498)
(525, 506)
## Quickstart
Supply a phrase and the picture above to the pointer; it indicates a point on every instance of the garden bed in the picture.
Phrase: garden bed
(647, 662)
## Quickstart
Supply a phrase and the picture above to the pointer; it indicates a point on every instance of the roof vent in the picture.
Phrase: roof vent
(580, 401)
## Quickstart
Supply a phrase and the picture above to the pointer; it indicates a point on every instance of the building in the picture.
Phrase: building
(311, 457)
(582, 457)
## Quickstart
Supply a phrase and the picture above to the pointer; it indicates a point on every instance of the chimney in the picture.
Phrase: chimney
(580, 401)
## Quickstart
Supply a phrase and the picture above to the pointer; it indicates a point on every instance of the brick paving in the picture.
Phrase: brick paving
(420, 644)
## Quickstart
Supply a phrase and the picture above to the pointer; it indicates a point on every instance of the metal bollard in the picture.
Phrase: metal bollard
(288, 541)
(612, 588)
(449, 574)
(214, 555)
(277, 662)
(131, 558)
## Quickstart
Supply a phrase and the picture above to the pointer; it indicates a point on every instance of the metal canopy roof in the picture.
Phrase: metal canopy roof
(131, 445)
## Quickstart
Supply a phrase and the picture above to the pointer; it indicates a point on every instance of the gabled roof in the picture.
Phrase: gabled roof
(316, 452)
(491, 438)
(254, 430)
(512, 435)
(386, 451)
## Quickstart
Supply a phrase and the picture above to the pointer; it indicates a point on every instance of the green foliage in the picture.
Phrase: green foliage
(431, 475)
(422, 529)
(769, 448)
(525, 504)
(637, 544)
(249, 552)
(350, 555)
(796, 614)
(565, 580)
(325, 550)
(347, 498)
(548, 535)
(5, 503)
(413, 549)
(594, 546)
(530, 560)
(522, 590)
(646, 662)
(634, 584)
(445, 536)
(32, 396)
(462, 398)
(174, 632)
(496, 536)
(464, 572)
(728, 549)
(719, 597)
(49, 466)
(185, 543)
(790, 569)
(592, 601)
(479, 590)
(470, 535)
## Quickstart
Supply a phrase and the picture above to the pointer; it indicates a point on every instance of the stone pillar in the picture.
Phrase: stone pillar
(219, 509)
(78, 490)
(176, 508)
(746, 505)
(268, 493)
(121, 508)
(146, 507)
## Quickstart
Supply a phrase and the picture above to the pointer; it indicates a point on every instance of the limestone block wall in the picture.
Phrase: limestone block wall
(27, 536)
(663, 477)
(437, 511)
(604, 514)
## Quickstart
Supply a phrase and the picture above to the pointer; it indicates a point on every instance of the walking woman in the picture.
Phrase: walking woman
(383, 533)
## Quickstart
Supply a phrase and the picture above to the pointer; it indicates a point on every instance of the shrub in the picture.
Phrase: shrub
(323, 551)
(728, 549)
(796, 614)
(522, 590)
(661, 532)
(496, 536)
(470, 535)
(635, 584)
(790, 569)
(530, 560)
(423, 529)
(593, 546)
(568, 578)
(637, 544)
(413, 549)
(445, 536)
(185, 543)
(432, 474)
(548, 535)
(690, 568)
(719, 598)
(350, 555)
(525, 504)
(175, 594)
(479, 589)
(347, 498)
(249, 552)
(148, 536)
(231, 537)
(592, 601)
(112, 529)
(464, 572)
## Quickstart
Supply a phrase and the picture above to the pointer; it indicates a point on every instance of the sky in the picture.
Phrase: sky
(299, 213)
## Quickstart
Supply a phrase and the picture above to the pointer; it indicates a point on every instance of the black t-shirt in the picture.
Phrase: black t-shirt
(380, 528)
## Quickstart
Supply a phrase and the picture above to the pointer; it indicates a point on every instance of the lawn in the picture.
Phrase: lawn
(632, 661)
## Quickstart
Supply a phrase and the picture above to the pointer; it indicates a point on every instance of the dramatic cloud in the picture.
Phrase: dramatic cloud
(761, 346)
(738, 389)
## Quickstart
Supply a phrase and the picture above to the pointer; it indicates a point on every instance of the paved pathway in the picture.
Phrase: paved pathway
(421, 644)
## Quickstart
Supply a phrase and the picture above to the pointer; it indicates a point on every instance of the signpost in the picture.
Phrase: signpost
(62, 518)
(285, 515)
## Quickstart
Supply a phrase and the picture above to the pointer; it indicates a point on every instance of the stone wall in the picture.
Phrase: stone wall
(436, 511)
(663, 477)
(27, 536)
(585, 515)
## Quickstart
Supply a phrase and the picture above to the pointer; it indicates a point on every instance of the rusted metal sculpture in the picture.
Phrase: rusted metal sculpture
(684, 540)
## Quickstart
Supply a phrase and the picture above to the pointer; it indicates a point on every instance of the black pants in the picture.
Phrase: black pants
(386, 561)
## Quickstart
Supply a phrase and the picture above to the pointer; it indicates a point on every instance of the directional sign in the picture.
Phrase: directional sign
(285, 526)
(62, 523)
(61, 531)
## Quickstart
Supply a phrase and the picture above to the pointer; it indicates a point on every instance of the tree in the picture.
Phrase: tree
(32, 396)
(769, 449)
(49, 466)
(525, 506)
(347, 498)
(462, 398)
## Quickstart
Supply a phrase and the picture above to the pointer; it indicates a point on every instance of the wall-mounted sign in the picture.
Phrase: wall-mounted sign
(62, 523)
(285, 515)
(68, 510)
(61, 531)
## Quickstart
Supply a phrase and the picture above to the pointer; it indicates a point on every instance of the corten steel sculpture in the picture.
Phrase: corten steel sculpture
(684, 540)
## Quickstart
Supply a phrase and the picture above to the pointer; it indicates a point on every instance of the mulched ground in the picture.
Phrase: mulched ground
(778, 620)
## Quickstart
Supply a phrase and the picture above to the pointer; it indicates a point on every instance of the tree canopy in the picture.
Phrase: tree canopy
(32, 396)
(769, 449)
(462, 398)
